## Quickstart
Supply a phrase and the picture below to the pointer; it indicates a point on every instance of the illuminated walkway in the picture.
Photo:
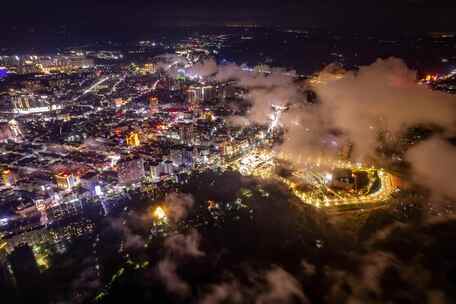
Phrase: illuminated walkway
(261, 163)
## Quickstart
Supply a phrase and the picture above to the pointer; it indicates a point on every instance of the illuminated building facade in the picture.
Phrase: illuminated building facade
(66, 180)
(8, 177)
(262, 68)
(72, 206)
(31, 64)
(198, 94)
(153, 104)
(29, 103)
(186, 133)
(155, 171)
(133, 139)
(150, 68)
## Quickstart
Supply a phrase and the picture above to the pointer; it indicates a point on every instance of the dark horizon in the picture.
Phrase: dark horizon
(111, 18)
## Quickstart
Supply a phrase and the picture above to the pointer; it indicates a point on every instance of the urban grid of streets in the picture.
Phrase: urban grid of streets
(253, 157)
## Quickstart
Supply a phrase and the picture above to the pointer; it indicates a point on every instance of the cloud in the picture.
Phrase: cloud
(184, 245)
(167, 271)
(262, 99)
(281, 287)
(223, 293)
(277, 77)
(178, 246)
(373, 265)
(86, 282)
(178, 205)
(130, 239)
(364, 283)
(307, 130)
(385, 232)
(88, 279)
(434, 166)
(274, 285)
(203, 69)
(381, 96)
(229, 72)
(238, 121)
(278, 88)
(436, 297)
(308, 268)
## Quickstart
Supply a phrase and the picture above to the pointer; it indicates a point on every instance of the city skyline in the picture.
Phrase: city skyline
(106, 17)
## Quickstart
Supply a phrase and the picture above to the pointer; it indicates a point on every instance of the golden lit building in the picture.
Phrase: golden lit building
(150, 68)
(159, 215)
(120, 102)
(133, 139)
(66, 180)
(207, 115)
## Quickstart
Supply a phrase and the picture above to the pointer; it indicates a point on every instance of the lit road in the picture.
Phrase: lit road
(92, 87)
(96, 85)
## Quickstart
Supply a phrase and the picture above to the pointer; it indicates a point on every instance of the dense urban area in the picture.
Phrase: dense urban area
(116, 156)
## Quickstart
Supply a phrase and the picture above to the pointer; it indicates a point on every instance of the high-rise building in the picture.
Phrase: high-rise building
(262, 68)
(188, 156)
(198, 94)
(167, 167)
(155, 171)
(186, 133)
(153, 104)
(194, 97)
(176, 156)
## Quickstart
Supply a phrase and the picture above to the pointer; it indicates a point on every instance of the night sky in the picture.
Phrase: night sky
(104, 16)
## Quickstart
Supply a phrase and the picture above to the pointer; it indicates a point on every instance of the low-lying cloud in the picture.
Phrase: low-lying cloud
(184, 244)
(383, 97)
(178, 206)
(281, 287)
(434, 166)
(167, 272)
